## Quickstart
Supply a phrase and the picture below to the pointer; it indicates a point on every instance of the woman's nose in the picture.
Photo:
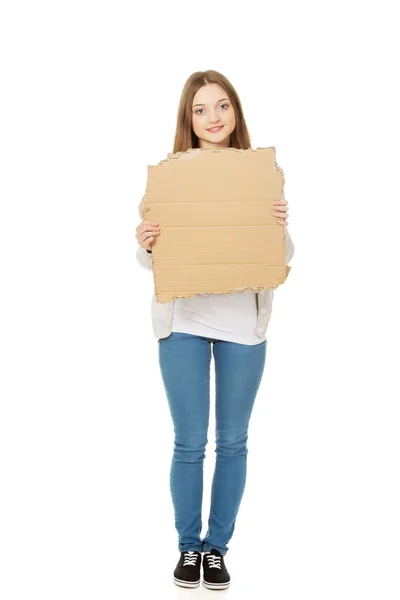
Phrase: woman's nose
(214, 118)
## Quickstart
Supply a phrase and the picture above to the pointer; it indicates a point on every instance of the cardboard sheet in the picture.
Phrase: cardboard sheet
(217, 233)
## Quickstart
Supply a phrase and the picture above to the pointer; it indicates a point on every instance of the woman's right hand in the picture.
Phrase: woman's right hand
(146, 233)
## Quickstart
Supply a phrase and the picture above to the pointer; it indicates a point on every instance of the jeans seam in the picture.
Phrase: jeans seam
(212, 499)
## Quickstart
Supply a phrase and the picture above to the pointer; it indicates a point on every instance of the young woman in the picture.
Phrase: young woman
(232, 326)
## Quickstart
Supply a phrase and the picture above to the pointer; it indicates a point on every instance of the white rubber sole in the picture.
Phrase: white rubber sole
(216, 586)
(188, 584)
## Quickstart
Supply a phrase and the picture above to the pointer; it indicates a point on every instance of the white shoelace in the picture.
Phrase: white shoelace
(214, 562)
(190, 558)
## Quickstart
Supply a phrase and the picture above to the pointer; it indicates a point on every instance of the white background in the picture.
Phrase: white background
(89, 98)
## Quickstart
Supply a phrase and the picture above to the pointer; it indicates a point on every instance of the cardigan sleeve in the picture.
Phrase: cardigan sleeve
(289, 245)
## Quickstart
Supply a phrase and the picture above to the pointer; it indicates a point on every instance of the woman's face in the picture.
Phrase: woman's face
(211, 108)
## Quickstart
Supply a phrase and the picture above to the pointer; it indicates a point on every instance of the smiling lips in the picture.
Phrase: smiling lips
(215, 129)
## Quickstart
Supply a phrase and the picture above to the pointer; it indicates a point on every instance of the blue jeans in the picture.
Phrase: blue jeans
(185, 368)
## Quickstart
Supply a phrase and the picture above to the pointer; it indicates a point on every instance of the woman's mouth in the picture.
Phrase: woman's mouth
(215, 129)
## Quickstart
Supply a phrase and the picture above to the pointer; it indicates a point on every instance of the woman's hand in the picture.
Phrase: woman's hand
(282, 207)
(146, 233)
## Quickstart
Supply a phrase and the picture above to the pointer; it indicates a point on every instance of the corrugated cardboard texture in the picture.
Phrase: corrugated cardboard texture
(217, 231)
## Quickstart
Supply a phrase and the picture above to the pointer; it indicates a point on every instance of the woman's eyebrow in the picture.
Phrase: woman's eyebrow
(215, 103)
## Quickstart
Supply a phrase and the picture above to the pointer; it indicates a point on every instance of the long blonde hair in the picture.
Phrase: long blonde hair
(185, 137)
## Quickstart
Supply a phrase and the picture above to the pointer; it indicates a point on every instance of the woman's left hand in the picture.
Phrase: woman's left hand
(281, 207)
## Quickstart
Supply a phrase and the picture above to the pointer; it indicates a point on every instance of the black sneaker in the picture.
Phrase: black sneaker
(215, 573)
(187, 571)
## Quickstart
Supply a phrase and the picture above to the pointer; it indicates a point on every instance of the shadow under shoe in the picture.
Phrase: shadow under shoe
(187, 571)
(215, 573)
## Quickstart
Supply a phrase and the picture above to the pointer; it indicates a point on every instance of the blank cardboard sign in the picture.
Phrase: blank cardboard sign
(217, 233)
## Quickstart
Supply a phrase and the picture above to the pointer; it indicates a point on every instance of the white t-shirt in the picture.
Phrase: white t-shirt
(231, 317)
